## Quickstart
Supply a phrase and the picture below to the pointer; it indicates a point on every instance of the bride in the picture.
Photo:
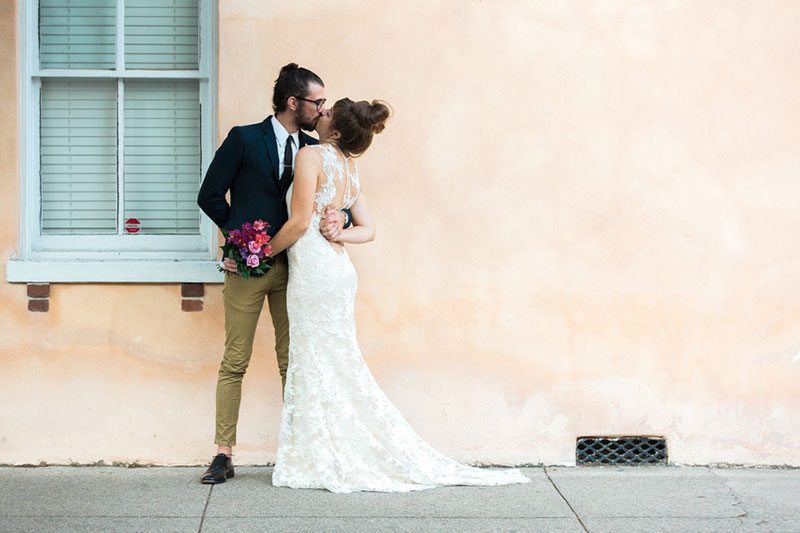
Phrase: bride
(338, 429)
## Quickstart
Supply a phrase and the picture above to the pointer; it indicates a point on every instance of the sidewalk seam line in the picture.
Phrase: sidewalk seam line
(205, 509)
(737, 500)
(547, 474)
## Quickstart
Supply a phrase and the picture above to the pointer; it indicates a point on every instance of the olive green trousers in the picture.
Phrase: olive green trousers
(243, 300)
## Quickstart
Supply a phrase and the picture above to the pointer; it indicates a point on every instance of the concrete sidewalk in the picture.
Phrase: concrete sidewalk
(558, 499)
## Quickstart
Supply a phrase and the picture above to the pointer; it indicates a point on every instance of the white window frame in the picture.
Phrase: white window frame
(108, 258)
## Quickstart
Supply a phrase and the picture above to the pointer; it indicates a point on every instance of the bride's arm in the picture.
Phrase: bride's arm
(307, 165)
(363, 229)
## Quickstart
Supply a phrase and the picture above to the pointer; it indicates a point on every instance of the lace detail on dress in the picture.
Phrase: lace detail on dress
(339, 431)
(341, 182)
(341, 186)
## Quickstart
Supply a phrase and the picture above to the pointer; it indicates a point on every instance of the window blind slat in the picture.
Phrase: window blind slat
(162, 155)
(76, 3)
(78, 149)
(150, 4)
(80, 187)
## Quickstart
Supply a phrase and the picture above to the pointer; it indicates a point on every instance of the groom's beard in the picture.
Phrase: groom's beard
(308, 125)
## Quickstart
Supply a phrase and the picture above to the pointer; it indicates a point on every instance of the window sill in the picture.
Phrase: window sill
(130, 271)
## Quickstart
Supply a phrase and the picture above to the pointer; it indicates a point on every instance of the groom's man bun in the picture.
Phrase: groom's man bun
(358, 122)
(293, 80)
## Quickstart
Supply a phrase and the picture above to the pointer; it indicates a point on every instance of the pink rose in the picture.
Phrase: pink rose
(254, 247)
(252, 260)
(259, 225)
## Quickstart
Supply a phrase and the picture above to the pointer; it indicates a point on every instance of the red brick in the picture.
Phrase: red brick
(39, 305)
(38, 290)
(192, 290)
(191, 305)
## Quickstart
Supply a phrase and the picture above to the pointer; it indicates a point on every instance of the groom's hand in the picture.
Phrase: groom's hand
(229, 265)
(331, 224)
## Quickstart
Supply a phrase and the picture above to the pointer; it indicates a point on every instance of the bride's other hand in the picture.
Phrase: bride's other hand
(362, 230)
(331, 224)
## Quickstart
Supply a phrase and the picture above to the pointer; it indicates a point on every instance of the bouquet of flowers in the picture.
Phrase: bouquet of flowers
(249, 247)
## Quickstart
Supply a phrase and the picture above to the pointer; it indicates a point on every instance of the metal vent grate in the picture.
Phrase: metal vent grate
(621, 450)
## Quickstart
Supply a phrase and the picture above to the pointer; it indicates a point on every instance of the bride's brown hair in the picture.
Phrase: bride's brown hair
(358, 122)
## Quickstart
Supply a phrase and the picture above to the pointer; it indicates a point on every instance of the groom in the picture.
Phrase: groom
(255, 163)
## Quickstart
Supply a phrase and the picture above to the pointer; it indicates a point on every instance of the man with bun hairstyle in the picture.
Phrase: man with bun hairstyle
(255, 163)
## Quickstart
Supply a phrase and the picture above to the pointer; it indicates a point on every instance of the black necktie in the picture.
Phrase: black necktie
(286, 175)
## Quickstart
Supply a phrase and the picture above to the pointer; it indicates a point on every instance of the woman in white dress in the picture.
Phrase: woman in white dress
(338, 429)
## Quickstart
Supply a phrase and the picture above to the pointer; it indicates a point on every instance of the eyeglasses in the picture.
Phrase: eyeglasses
(318, 103)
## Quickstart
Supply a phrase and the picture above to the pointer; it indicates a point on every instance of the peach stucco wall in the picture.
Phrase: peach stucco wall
(587, 224)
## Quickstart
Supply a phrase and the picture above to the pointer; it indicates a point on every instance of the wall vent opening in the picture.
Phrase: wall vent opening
(621, 450)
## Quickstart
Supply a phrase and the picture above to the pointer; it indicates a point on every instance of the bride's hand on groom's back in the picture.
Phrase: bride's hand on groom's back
(331, 224)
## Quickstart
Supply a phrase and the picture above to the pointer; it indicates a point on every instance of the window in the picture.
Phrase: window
(117, 126)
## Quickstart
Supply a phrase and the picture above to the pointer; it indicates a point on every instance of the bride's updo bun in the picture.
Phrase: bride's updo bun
(357, 122)
(372, 115)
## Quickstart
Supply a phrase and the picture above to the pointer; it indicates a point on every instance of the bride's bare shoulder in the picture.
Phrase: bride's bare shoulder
(309, 155)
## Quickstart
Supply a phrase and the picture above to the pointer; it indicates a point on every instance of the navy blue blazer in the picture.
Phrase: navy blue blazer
(247, 164)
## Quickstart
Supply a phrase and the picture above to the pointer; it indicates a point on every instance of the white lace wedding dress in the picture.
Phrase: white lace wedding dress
(338, 429)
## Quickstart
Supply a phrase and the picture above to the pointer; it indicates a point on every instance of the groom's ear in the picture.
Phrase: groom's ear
(292, 103)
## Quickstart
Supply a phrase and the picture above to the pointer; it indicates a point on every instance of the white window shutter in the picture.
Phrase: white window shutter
(78, 34)
(161, 34)
(162, 155)
(78, 147)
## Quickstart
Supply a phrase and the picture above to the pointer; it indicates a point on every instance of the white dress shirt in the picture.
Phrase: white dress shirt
(281, 135)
